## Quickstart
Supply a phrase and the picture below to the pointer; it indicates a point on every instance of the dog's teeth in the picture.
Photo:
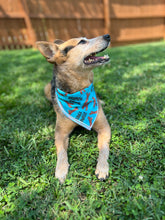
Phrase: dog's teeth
(106, 56)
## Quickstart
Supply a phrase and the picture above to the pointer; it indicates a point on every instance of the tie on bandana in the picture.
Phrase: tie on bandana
(81, 107)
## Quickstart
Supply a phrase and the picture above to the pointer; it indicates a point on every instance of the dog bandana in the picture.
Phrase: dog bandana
(81, 107)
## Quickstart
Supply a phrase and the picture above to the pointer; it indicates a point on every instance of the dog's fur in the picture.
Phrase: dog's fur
(71, 74)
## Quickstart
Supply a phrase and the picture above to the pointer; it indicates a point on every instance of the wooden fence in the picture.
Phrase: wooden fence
(22, 22)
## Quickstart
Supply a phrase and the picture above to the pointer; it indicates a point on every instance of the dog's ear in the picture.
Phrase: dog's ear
(58, 41)
(48, 50)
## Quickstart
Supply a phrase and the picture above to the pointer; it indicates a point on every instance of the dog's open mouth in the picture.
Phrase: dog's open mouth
(93, 59)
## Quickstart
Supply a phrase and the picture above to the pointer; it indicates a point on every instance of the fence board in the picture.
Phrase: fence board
(137, 9)
(137, 29)
(66, 9)
(127, 21)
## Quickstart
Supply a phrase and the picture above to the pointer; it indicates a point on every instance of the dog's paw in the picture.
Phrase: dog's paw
(61, 172)
(102, 170)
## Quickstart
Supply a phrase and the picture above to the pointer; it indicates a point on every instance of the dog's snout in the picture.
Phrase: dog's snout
(107, 37)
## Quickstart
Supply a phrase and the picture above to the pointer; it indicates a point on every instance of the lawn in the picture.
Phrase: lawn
(133, 89)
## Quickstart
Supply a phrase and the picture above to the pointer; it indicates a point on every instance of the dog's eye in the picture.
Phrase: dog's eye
(67, 49)
(82, 42)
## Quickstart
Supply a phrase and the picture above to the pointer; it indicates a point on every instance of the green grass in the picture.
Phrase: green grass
(133, 89)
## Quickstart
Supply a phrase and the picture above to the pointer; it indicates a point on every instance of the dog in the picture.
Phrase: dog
(72, 87)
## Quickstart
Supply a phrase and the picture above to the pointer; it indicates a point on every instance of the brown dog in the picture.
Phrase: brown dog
(73, 63)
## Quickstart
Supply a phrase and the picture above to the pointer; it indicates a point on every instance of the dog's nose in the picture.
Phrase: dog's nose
(107, 37)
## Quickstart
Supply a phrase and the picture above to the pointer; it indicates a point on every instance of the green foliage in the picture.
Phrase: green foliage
(133, 89)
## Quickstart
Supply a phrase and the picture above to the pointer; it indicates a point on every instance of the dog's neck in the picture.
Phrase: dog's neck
(70, 81)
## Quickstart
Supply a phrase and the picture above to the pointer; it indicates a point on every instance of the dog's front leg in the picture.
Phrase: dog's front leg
(63, 128)
(104, 134)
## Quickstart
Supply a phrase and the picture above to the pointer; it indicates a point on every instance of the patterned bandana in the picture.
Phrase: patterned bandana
(81, 107)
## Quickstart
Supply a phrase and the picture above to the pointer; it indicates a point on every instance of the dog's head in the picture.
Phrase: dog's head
(76, 53)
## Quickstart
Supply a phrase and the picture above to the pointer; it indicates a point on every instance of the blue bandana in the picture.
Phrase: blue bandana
(81, 107)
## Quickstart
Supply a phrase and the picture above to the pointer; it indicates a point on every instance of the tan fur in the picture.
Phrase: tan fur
(47, 91)
(76, 75)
